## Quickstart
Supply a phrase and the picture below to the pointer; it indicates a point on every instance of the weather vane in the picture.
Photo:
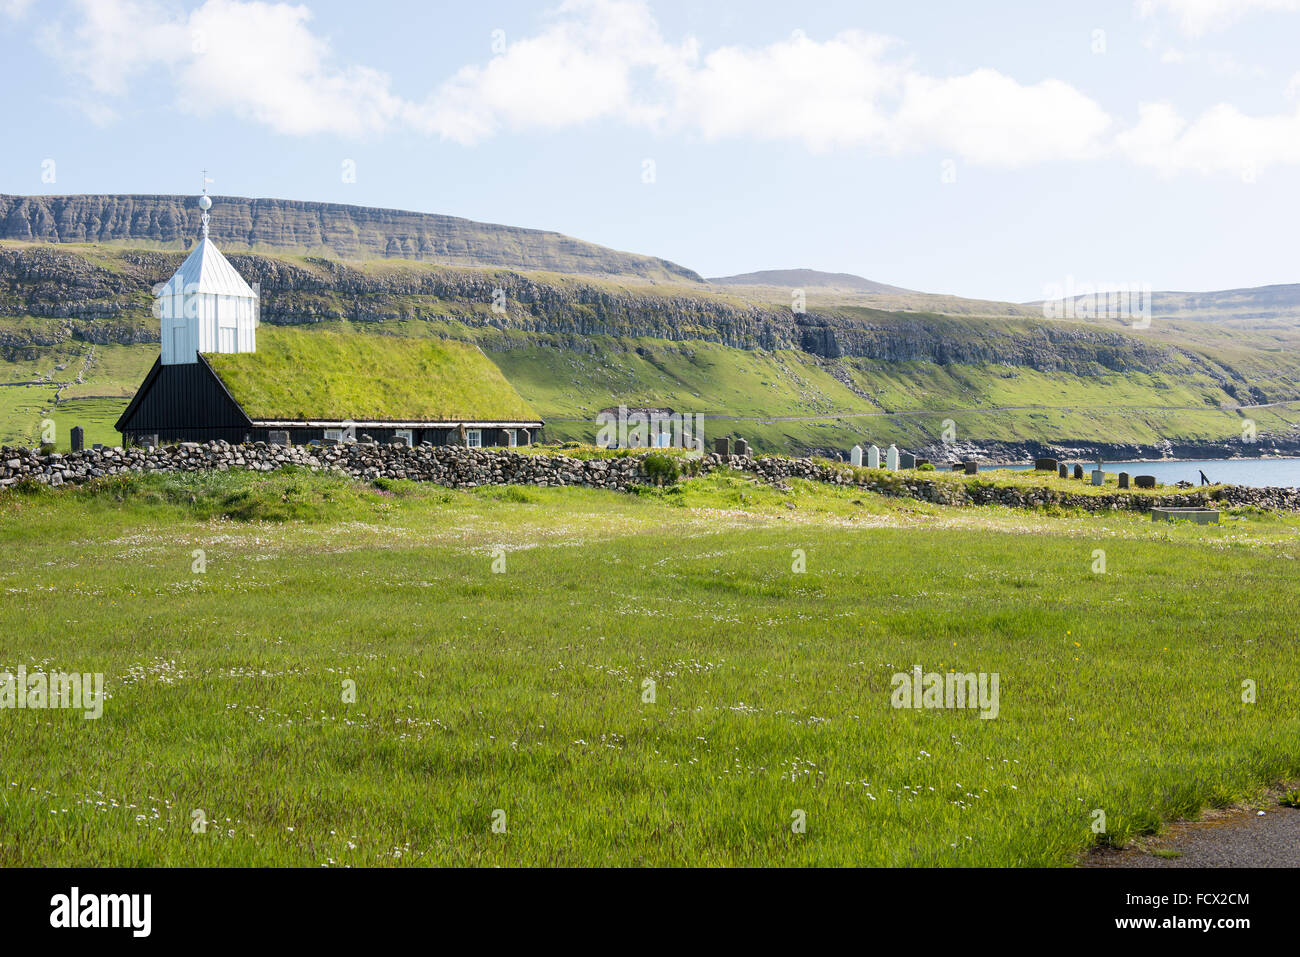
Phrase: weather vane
(205, 203)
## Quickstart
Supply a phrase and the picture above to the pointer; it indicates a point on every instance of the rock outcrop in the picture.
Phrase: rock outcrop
(329, 229)
(109, 297)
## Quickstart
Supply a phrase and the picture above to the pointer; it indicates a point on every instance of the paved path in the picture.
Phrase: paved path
(1239, 838)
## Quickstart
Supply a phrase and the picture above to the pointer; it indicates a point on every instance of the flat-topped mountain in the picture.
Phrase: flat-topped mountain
(805, 278)
(319, 229)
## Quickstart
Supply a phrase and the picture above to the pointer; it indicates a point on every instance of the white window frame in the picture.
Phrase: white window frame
(334, 435)
(512, 438)
(406, 434)
(474, 438)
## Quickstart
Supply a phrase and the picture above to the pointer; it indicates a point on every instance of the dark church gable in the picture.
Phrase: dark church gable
(184, 403)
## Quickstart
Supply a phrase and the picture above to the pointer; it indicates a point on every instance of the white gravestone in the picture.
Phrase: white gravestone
(855, 456)
(891, 458)
(873, 457)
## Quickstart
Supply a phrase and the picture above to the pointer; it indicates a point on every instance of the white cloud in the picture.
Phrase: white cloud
(1221, 140)
(584, 66)
(255, 59)
(1198, 17)
(262, 61)
(825, 94)
(989, 118)
(607, 61)
(593, 60)
(15, 8)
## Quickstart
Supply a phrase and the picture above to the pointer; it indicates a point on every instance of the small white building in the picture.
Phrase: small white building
(206, 307)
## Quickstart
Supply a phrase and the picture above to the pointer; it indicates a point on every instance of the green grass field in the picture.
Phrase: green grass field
(523, 691)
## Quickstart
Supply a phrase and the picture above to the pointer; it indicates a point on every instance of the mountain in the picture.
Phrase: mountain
(597, 328)
(99, 295)
(317, 229)
(1261, 304)
(1264, 306)
(805, 279)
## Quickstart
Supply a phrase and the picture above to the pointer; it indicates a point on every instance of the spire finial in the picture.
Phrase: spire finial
(205, 203)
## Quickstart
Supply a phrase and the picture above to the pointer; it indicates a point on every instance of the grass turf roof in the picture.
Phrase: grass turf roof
(301, 375)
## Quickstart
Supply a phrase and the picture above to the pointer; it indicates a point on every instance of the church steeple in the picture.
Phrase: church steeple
(206, 306)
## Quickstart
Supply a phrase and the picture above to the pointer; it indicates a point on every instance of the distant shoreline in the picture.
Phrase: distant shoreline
(1079, 461)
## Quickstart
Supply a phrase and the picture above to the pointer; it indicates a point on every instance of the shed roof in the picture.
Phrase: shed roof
(313, 375)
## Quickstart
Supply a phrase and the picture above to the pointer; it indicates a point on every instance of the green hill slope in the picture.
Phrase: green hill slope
(76, 337)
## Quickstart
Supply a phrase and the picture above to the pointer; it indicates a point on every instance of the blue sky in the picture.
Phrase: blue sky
(984, 150)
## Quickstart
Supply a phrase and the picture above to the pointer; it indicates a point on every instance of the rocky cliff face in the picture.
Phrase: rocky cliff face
(107, 298)
(345, 232)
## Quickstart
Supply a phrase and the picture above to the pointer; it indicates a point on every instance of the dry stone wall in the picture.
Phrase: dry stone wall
(457, 467)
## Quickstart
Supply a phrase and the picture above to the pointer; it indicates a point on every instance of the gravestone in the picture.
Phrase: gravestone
(1123, 480)
(855, 456)
(1078, 471)
(1145, 481)
(742, 447)
(1098, 477)
(277, 437)
(1063, 470)
(1201, 516)
(891, 458)
(722, 446)
(958, 467)
(1044, 465)
(873, 457)
(78, 438)
(972, 468)
(906, 460)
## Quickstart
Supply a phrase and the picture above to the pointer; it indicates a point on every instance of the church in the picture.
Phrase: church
(212, 381)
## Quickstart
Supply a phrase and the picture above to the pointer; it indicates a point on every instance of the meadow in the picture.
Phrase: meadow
(625, 679)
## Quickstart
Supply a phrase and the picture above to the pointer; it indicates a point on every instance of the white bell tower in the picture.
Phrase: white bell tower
(206, 306)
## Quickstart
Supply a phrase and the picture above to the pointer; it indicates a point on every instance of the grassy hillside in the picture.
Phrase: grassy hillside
(76, 338)
(314, 374)
(790, 400)
(781, 400)
(772, 688)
